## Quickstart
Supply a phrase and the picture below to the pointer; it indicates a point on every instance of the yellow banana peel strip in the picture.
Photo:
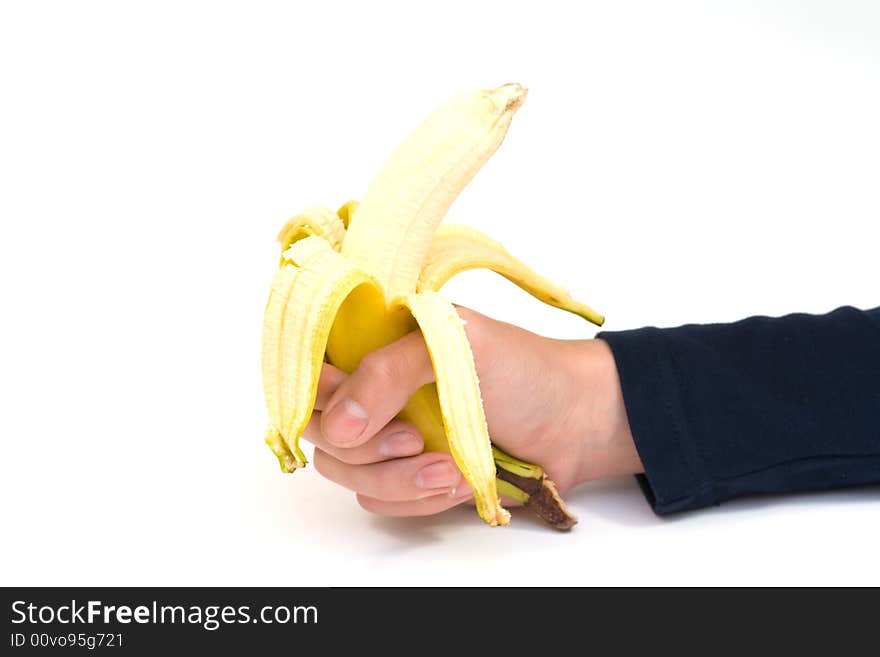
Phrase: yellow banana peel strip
(455, 249)
(279, 295)
(459, 392)
(306, 295)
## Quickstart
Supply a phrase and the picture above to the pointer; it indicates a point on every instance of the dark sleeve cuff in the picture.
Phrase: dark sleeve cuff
(760, 406)
(674, 478)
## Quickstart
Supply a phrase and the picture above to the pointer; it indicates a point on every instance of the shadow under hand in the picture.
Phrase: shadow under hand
(427, 530)
(617, 500)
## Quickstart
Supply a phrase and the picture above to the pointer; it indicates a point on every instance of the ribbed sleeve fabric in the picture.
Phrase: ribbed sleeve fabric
(763, 405)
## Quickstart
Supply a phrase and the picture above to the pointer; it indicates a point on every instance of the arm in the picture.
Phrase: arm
(758, 406)
(707, 413)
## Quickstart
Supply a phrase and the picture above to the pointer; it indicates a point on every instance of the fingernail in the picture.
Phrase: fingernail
(345, 422)
(462, 491)
(402, 443)
(437, 475)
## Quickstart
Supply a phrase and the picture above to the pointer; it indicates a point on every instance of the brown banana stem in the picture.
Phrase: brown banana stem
(544, 499)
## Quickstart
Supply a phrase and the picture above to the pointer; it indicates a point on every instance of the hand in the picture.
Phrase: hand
(556, 403)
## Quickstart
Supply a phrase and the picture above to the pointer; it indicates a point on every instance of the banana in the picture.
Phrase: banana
(391, 231)
(355, 280)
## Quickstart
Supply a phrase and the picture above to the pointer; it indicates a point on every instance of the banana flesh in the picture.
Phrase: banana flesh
(391, 231)
(360, 278)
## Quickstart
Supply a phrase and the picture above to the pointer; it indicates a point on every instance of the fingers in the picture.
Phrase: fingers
(372, 395)
(359, 444)
(329, 381)
(398, 480)
(395, 440)
(424, 507)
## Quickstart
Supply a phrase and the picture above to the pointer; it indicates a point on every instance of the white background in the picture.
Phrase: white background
(675, 162)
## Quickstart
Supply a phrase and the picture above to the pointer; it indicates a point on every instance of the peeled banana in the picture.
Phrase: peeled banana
(357, 279)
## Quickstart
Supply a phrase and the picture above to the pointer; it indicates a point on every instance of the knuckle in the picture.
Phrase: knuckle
(473, 325)
(380, 365)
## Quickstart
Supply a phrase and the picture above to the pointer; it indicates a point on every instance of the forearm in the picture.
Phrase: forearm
(758, 406)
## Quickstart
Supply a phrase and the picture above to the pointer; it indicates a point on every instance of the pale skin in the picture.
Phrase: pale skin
(553, 402)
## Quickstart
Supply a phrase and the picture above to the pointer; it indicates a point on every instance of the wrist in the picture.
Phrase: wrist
(600, 429)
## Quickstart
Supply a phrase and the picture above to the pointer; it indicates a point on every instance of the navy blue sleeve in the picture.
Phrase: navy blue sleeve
(764, 405)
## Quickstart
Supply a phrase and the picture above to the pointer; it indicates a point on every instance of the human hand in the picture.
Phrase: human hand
(557, 403)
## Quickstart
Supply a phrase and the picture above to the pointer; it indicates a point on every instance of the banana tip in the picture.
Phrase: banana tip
(510, 95)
